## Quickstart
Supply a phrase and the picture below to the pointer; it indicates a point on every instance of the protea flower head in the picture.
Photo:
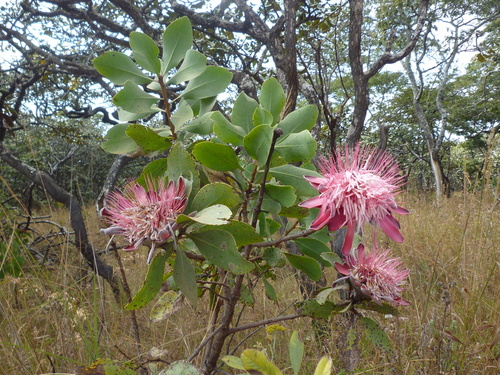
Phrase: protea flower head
(145, 215)
(374, 276)
(356, 188)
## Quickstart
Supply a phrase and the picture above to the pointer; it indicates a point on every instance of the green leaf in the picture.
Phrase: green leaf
(133, 99)
(226, 131)
(217, 214)
(177, 40)
(285, 195)
(297, 147)
(323, 295)
(313, 248)
(216, 156)
(183, 114)
(331, 258)
(118, 142)
(233, 361)
(193, 65)
(152, 284)
(243, 233)
(269, 290)
(294, 176)
(181, 368)
(202, 125)
(130, 116)
(166, 306)
(376, 335)
(185, 277)
(258, 143)
(383, 308)
(145, 52)
(202, 106)
(211, 82)
(243, 108)
(180, 163)
(324, 366)
(299, 120)
(296, 351)
(320, 311)
(147, 138)
(262, 117)
(220, 248)
(273, 257)
(295, 212)
(272, 98)
(255, 360)
(307, 265)
(267, 226)
(246, 296)
(215, 193)
(119, 68)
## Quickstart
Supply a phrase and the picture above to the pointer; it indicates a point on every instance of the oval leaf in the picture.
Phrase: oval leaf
(215, 193)
(119, 68)
(296, 351)
(258, 142)
(152, 284)
(324, 366)
(145, 51)
(166, 305)
(211, 82)
(243, 108)
(220, 248)
(307, 265)
(133, 99)
(255, 360)
(216, 156)
(272, 98)
(193, 65)
(147, 138)
(118, 142)
(297, 147)
(177, 40)
(313, 248)
(299, 120)
(185, 277)
(294, 176)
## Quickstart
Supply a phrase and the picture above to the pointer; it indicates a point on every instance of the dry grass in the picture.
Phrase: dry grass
(58, 317)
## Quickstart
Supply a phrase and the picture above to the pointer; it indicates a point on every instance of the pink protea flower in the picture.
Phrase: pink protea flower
(374, 275)
(357, 188)
(145, 215)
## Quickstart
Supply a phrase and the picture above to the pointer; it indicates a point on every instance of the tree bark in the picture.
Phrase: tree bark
(359, 76)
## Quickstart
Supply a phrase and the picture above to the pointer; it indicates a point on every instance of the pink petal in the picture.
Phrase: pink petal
(393, 221)
(315, 181)
(390, 229)
(336, 222)
(312, 202)
(342, 269)
(322, 219)
(112, 231)
(349, 238)
(400, 210)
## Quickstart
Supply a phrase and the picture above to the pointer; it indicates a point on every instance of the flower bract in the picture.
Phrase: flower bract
(356, 188)
(374, 275)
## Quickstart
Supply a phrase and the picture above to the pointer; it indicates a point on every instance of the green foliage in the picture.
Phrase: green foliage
(152, 284)
(13, 244)
(239, 176)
